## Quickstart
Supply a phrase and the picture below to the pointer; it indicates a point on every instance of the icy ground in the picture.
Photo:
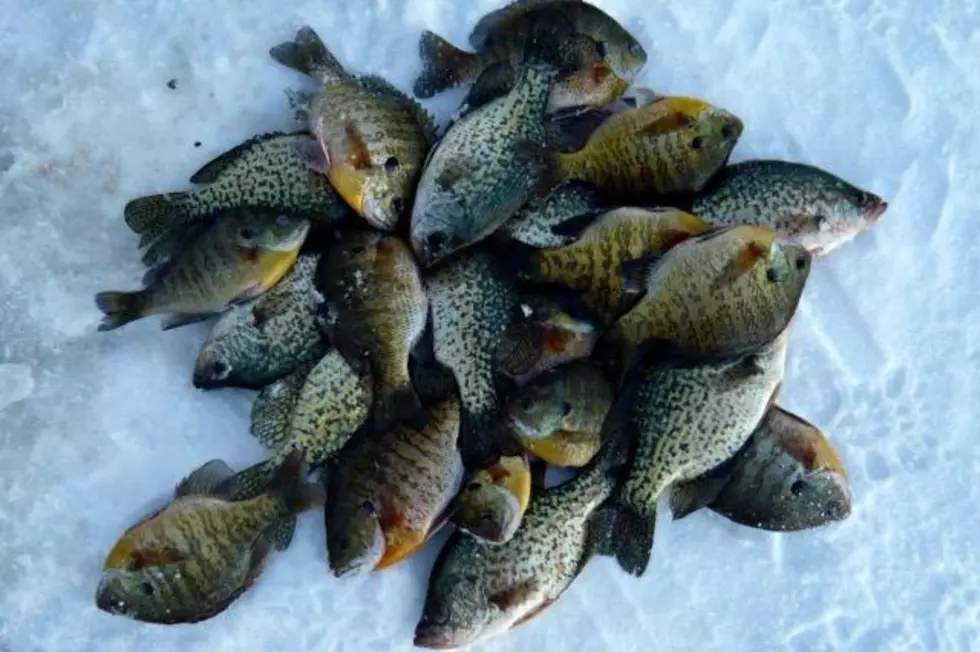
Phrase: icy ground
(95, 428)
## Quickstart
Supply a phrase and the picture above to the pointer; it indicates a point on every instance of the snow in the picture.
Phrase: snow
(96, 428)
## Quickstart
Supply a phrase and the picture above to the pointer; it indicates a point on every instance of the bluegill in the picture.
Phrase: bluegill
(492, 503)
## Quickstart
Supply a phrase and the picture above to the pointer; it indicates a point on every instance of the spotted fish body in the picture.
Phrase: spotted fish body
(193, 558)
(482, 171)
(260, 341)
(801, 202)
(394, 489)
(533, 224)
(591, 265)
(672, 145)
(266, 171)
(788, 477)
(688, 416)
(473, 301)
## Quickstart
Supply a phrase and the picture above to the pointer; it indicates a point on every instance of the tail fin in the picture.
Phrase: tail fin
(443, 65)
(290, 483)
(120, 308)
(402, 405)
(618, 531)
(307, 54)
(545, 165)
(152, 216)
(280, 533)
(522, 259)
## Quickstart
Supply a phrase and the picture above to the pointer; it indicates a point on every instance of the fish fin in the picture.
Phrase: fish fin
(246, 295)
(495, 81)
(213, 169)
(544, 164)
(574, 226)
(537, 611)
(432, 382)
(643, 95)
(178, 319)
(489, 21)
(280, 533)
(307, 54)
(521, 258)
(633, 273)
(664, 124)
(539, 471)
(746, 259)
(290, 483)
(155, 273)
(618, 531)
(424, 350)
(120, 308)
(155, 213)
(249, 482)
(203, 480)
(443, 65)
(513, 596)
(260, 555)
(313, 155)
(484, 440)
(399, 405)
(688, 497)
(271, 409)
(422, 117)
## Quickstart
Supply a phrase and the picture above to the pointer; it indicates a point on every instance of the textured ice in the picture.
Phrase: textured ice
(95, 428)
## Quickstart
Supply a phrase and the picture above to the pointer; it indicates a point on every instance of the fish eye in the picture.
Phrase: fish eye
(820, 219)
(368, 506)
(146, 588)
(219, 369)
(283, 220)
(248, 233)
(696, 143)
(600, 49)
(527, 403)
(635, 49)
(800, 262)
(772, 274)
(566, 408)
(488, 515)
(473, 486)
(391, 165)
(797, 487)
(397, 205)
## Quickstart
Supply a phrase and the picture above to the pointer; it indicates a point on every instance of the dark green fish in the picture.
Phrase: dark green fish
(261, 341)
(266, 171)
(535, 224)
(190, 560)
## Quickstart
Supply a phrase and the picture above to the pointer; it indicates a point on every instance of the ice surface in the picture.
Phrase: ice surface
(97, 427)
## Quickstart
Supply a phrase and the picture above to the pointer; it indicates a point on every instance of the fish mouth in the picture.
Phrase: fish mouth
(523, 429)
(105, 600)
(208, 372)
(375, 214)
(840, 505)
(874, 207)
(441, 637)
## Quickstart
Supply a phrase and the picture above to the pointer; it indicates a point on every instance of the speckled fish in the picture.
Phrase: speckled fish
(804, 203)
(556, 330)
(535, 224)
(373, 139)
(237, 258)
(500, 39)
(267, 338)
(479, 590)
(374, 289)
(559, 414)
(725, 292)
(672, 145)
(787, 477)
(591, 265)
(473, 300)
(388, 494)
(493, 502)
(686, 416)
(266, 171)
(190, 560)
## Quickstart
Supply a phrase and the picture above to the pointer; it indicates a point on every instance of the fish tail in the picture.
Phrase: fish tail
(309, 55)
(630, 536)
(484, 439)
(120, 308)
(399, 404)
(153, 215)
(297, 495)
(443, 65)
(280, 533)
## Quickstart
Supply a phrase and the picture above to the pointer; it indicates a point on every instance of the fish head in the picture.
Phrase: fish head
(540, 408)
(272, 231)
(129, 593)
(386, 196)
(787, 269)
(456, 612)
(712, 136)
(433, 241)
(816, 498)
(233, 350)
(591, 87)
(833, 214)
(357, 543)
(614, 44)
(488, 511)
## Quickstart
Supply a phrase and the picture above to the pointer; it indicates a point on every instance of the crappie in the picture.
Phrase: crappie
(373, 139)
(537, 224)
(725, 292)
(559, 414)
(266, 171)
(592, 264)
(388, 494)
(804, 203)
(473, 300)
(493, 502)
(379, 307)
(267, 338)
(672, 145)
(500, 39)
(686, 416)
(787, 477)
(190, 560)
(479, 590)
(238, 257)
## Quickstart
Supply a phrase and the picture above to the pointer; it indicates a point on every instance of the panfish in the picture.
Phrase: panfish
(492, 503)
(535, 224)
(238, 257)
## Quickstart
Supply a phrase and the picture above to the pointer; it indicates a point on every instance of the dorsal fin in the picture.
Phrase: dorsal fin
(486, 24)
(211, 170)
(381, 85)
(203, 480)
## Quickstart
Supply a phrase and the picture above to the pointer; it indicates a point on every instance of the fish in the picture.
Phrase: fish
(591, 265)
(262, 340)
(374, 289)
(472, 302)
(559, 414)
(724, 292)
(238, 257)
(494, 499)
(432, 381)
(673, 145)
(500, 40)
(801, 202)
(557, 330)
(372, 139)
(190, 560)
(266, 171)
(272, 409)
(686, 415)
(479, 590)
(535, 223)
(387, 495)
(787, 478)
(487, 165)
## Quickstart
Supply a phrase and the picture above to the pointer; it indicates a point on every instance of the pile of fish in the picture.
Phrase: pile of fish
(569, 274)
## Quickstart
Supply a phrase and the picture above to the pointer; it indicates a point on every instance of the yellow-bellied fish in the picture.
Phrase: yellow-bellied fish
(494, 499)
